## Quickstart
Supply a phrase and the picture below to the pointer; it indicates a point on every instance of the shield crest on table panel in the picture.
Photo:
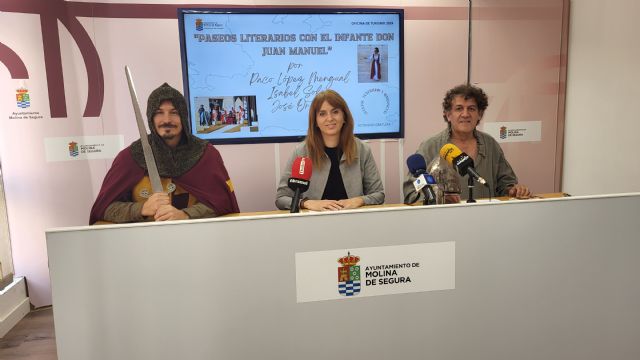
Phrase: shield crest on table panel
(349, 275)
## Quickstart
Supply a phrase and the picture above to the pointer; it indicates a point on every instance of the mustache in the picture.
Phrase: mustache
(167, 125)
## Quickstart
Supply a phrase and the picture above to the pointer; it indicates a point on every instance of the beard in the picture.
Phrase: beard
(166, 133)
(168, 136)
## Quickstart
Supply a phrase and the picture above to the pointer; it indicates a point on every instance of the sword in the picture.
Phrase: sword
(152, 169)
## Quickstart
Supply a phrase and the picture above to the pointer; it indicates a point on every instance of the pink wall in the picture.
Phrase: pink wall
(516, 58)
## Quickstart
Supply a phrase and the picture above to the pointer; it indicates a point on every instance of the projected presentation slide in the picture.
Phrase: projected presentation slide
(250, 77)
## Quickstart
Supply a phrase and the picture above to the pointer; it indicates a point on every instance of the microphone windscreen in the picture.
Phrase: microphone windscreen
(450, 152)
(416, 164)
(301, 168)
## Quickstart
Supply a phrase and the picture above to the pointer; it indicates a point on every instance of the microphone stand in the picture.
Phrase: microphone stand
(295, 202)
(429, 196)
(427, 200)
(470, 184)
(427, 191)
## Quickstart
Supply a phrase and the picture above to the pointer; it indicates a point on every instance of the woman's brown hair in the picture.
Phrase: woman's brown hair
(314, 141)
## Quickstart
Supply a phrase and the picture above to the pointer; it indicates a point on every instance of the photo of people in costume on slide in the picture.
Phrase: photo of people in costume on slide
(226, 114)
(372, 63)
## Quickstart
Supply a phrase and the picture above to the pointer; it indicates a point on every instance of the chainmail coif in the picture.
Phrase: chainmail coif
(170, 162)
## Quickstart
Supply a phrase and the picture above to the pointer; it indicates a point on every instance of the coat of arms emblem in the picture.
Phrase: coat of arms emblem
(73, 148)
(22, 98)
(503, 132)
(349, 275)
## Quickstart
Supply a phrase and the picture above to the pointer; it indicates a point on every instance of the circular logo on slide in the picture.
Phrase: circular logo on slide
(374, 101)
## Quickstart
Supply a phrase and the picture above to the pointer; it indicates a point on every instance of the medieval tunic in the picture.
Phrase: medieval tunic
(207, 185)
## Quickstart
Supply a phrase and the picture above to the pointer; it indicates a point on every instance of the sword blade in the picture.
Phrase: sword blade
(149, 159)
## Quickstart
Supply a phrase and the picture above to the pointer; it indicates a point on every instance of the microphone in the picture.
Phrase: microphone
(462, 162)
(299, 180)
(418, 168)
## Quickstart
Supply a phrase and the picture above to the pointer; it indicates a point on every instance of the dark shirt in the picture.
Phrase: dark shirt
(335, 186)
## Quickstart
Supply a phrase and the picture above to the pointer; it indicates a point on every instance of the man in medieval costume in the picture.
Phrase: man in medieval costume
(194, 179)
